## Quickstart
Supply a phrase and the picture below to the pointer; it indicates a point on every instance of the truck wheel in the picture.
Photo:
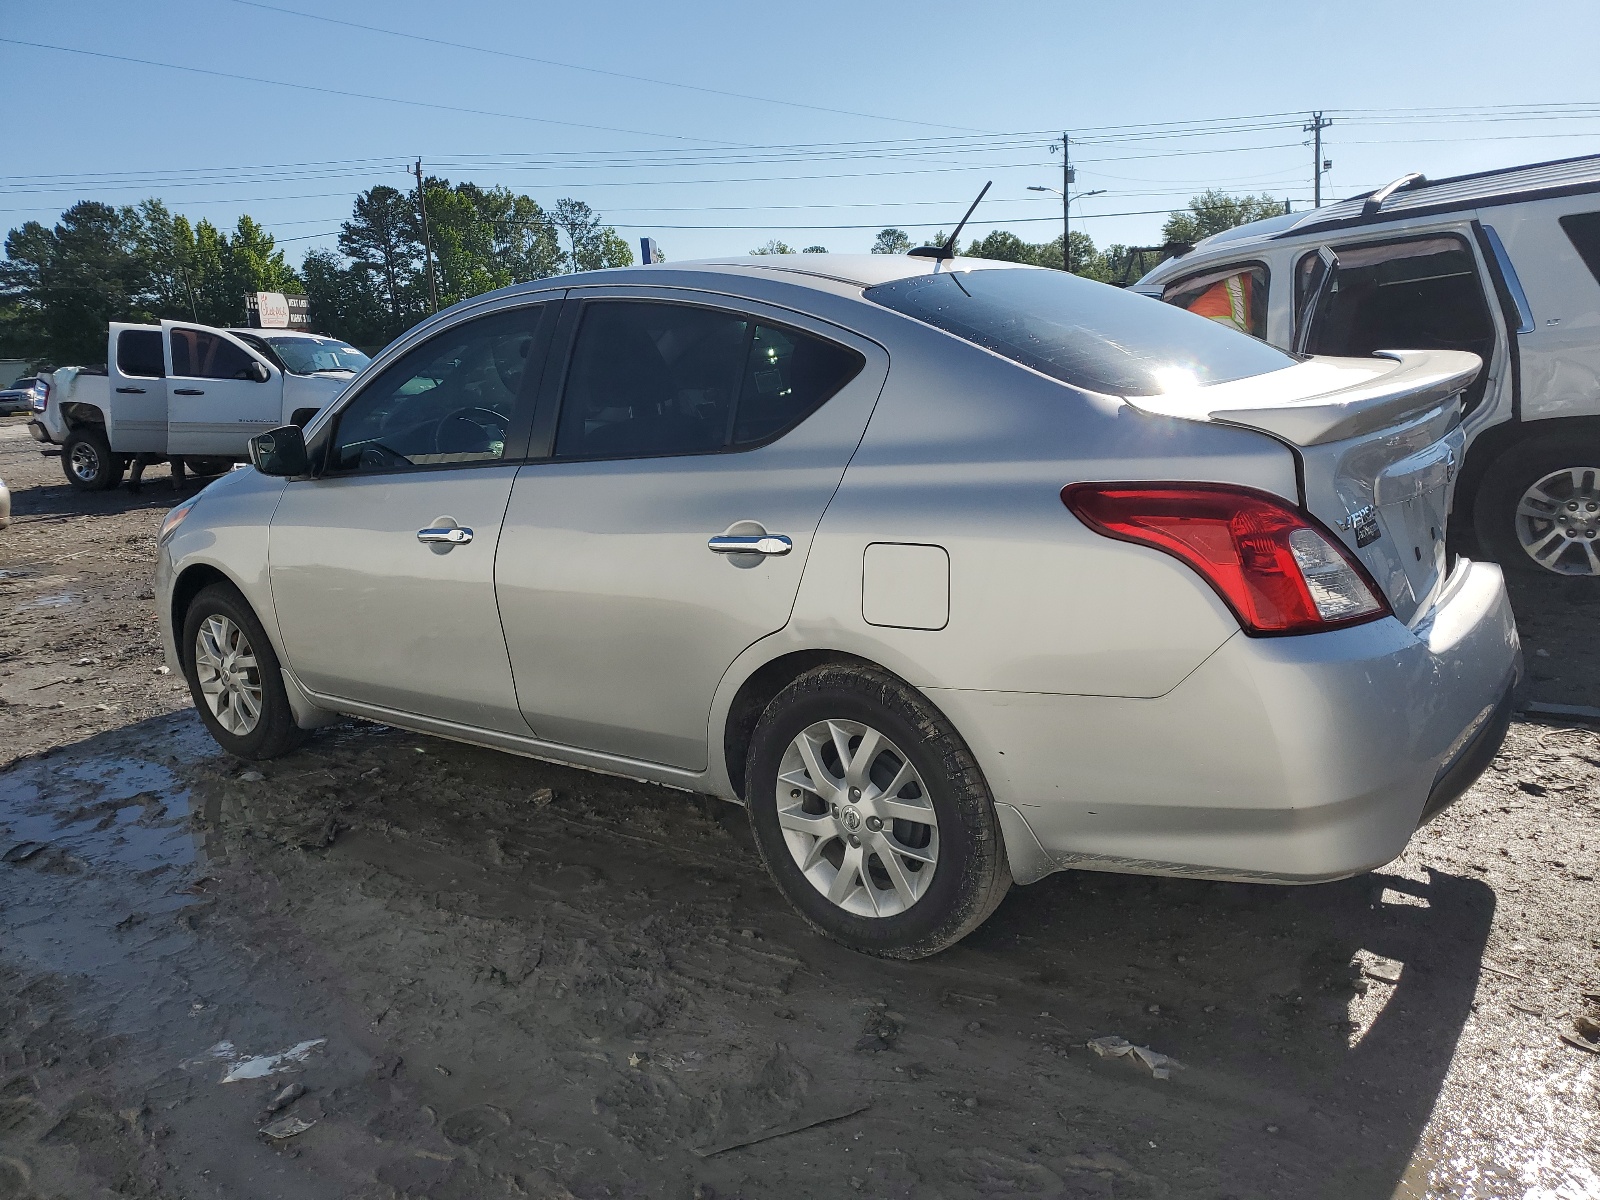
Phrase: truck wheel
(872, 816)
(234, 678)
(1538, 508)
(87, 460)
(205, 468)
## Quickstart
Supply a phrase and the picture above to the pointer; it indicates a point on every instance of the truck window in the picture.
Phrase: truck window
(1235, 296)
(1411, 294)
(1583, 231)
(139, 353)
(200, 354)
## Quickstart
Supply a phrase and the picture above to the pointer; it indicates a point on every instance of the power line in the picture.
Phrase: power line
(327, 91)
(551, 62)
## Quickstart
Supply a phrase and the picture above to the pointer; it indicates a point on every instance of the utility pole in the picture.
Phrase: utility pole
(1318, 164)
(427, 240)
(1066, 192)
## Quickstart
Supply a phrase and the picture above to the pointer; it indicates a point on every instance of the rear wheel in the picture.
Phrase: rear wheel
(87, 461)
(871, 814)
(1538, 508)
(234, 678)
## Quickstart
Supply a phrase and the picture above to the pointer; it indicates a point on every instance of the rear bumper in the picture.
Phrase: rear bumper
(39, 432)
(1290, 760)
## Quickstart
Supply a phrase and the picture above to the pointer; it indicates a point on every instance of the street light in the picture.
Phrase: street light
(1066, 252)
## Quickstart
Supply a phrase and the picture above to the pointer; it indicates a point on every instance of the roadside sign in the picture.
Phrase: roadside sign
(275, 310)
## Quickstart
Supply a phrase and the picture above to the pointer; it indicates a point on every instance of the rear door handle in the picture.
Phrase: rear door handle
(766, 543)
(454, 535)
(187, 392)
(131, 391)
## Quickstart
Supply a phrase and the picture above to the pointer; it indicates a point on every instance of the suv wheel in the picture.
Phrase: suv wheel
(1538, 508)
(234, 678)
(871, 814)
(87, 460)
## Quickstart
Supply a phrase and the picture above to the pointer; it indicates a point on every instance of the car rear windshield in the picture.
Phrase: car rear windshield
(1084, 333)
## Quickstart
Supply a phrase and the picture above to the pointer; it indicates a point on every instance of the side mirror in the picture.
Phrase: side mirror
(259, 371)
(280, 451)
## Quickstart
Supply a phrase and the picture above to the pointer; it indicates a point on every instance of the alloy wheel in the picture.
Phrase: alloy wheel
(857, 818)
(225, 665)
(1558, 521)
(85, 462)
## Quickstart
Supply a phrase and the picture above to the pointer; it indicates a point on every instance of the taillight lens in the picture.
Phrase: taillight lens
(1274, 565)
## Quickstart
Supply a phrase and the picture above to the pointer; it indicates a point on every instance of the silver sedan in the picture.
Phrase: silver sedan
(954, 573)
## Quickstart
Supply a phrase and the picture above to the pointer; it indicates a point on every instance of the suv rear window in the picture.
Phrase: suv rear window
(1583, 231)
(1087, 334)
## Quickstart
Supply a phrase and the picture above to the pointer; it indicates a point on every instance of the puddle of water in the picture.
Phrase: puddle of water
(127, 812)
(53, 600)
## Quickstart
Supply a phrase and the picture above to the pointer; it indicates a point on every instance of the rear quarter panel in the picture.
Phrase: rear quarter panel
(969, 452)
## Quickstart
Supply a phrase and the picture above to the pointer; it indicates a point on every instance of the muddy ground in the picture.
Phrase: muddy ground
(493, 977)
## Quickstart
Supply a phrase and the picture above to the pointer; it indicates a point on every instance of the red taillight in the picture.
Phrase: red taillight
(1274, 565)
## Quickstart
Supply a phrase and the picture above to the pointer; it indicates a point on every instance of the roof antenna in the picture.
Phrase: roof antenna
(948, 250)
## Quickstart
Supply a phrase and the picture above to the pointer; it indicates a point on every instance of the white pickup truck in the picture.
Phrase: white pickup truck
(181, 390)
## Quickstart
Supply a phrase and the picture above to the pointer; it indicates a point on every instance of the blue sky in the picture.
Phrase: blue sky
(844, 118)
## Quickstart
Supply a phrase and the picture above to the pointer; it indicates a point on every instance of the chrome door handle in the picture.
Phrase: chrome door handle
(187, 392)
(454, 535)
(766, 543)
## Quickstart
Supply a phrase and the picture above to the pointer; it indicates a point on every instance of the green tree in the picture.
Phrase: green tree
(346, 301)
(62, 285)
(774, 246)
(384, 236)
(891, 241)
(1006, 246)
(815, 250)
(1214, 210)
(580, 223)
(608, 249)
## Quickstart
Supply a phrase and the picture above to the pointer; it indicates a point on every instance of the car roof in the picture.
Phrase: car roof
(835, 273)
(1414, 195)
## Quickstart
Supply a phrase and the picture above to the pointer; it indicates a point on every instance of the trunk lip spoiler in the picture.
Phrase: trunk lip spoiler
(1325, 399)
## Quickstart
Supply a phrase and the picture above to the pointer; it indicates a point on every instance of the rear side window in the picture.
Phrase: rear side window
(199, 354)
(139, 353)
(650, 379)
(1234, 296)
(1583, 231)
(1083, 333)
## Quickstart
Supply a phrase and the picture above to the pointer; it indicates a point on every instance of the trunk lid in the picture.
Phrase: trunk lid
(1379, 441)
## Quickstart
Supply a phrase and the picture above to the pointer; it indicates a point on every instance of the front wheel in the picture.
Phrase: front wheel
(1538, 508)
(871, 814)
(234, 678)
(87, 461)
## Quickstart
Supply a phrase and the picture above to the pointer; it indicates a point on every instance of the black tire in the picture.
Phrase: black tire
(971, 875)
(1494, 509)
(275, 732)
(87, 461)
(206, 468)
